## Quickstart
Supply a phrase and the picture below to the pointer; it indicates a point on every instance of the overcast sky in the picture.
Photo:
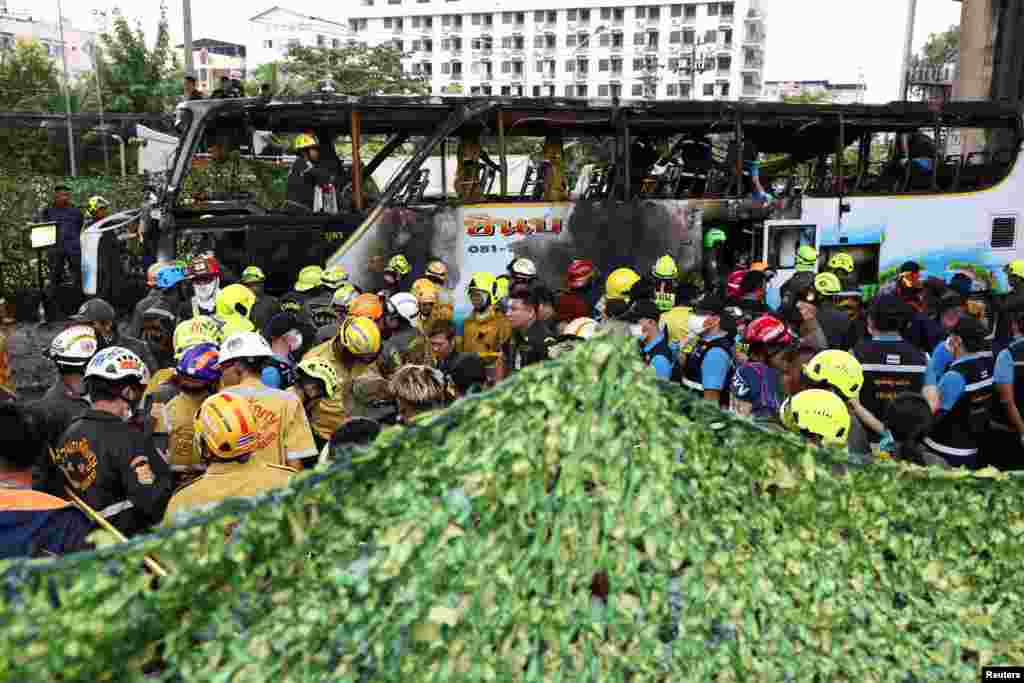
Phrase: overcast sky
(834, 40)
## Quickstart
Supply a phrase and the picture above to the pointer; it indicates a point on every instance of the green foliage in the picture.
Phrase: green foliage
(28, 79)
(354, 70)
(940, 50)
(137, 78)
(811, 97)
(468, 548)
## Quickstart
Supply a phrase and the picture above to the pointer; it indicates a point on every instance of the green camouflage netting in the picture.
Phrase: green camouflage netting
(471, 547)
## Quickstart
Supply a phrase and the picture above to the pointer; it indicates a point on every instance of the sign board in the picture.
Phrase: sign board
(43, 235)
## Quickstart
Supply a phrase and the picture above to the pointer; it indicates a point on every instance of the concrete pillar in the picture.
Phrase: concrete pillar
(977, 39)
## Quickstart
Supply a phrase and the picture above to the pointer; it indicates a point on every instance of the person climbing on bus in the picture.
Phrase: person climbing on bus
(70, 351)
(395, 274)
(665, 273)
(966, 395)
(657, 352)
(803, 279)
(715, 268)
(839, 372)
(341, 301)
(307, 177)
(709, 367)
(197, 378)
(756, 389)
(316, 381)
(819, 416)
(204, 273)
(891, 364)
(353, 354)
(266, 306)
(233, 307)
(1005, 446)
(437, 273)
(285, 341)
(405, 340)
(842, 266)
(228, 443)
(485, 330)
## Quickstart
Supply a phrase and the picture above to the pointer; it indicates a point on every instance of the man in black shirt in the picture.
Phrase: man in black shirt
(530, 335)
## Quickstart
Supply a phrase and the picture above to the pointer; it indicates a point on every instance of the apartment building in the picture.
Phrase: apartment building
(214, 59)
(278, 28)
(78, 45)
(574, 48)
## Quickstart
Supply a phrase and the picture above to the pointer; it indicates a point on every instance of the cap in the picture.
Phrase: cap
(643, 309)
(710, 303)
(280, 325)
(970, 328)
(910, 267)
(468, 371)
(95, 311)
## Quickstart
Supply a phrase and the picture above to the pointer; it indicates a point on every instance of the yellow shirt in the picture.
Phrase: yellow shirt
(327, 415)
(284, 433)
(227, 480)
(159, 377)
(676, 320)
(176, 419)
(486, 333)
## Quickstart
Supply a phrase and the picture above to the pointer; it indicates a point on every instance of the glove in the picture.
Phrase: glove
(887, 444)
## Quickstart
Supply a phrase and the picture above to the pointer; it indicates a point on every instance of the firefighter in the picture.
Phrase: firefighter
(101, 317)
(841, 265)
(315, 381)
(66, 400)
(437, 272)
(616, 300)
(234, 308)
(486, 330)
(406, 342)
(802, 279)
(818, 415)
(341, 302)
(306, 177)
(395, 273)
(204, 274)
(653, 343)
(266, 306)
(666, 274)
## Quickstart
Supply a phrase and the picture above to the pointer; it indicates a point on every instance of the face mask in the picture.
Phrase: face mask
(207, 291)
(695, 324)
(636, 331)
(294, 341)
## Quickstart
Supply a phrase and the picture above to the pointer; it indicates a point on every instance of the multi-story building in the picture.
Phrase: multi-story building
(836, 93)
(577, 48)
(214, 59)
(277, 29)
(79, 45)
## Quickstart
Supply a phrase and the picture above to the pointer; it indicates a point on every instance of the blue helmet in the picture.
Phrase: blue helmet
(168, 277)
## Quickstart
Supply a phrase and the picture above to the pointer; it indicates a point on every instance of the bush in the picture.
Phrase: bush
(475, 545)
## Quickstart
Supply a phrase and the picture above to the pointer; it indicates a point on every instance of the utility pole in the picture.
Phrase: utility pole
(908, 48)
(67, 92)
(101, 16)
(186, 15)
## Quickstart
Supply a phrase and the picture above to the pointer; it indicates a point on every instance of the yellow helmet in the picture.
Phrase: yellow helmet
(234, 324)
(502, 285)
(399, 265)
(310, 277)
(226, 425)
(585, 328)
(344, 295)
(305, 141)
(838, 369)
(818, 412)
(234, 301)
(96, 203)
(827, 284)
(334, 277)
(665, 268)
(1015, 268)
(438, 270)
(320, 369)
(806, 259)
(425, 291)
(199, 330)
(841, 261)
(253, 274)
(482, 282)
(360, 336)
(619, 283)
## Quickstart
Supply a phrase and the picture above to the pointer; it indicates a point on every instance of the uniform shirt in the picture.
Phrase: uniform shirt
(70, 222)
(938, 363)
(328, 414)
(715, 367)
(224, 480)
(485, 333)
(662, 365)
(34, 524)
(1004, 370)
(58, 408)
(284, 432)
(174, 424)
(952, 385)
(759, 385)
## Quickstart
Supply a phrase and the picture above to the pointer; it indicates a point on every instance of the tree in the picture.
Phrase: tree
(809, 97)
(941, 49)
(135, 77)
(354, 70)
(28, 79)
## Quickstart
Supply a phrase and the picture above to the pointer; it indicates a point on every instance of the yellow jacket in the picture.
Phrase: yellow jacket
(328, 414)
(227, 480)
(176, 419)
(485, 333)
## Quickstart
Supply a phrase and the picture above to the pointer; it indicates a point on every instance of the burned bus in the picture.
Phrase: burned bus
(479, 181)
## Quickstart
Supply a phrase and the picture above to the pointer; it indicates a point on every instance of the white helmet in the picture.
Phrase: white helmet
(523, 267)
(244, 345)
(73, 347)
(405, 305)
(584, 328)
(117, 364)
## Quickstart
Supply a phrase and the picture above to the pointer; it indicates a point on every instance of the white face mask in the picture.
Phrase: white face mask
(636, 331)
(294, 340)
(695, 324)
(206, 292)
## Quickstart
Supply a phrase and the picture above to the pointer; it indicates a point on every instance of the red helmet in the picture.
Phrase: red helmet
(581, 271)
(768, 329)
(732, 284)
(203, 266)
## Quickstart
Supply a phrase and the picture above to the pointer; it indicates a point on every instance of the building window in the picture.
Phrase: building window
(689, 12)
(488, 20)
(709, 89)
(487, 89)
(584, 15)
(507, 17)
(673, 64)
(727, 37)
(617, 40)
(725, 89)
(653, 12)
(387, 22)
(268, 44)
(581, 90)
(536, 91)
(474, 90)
(638, 90)
(570, 40)
(506, 90)
(689, 37)
(616, 90)
(638, 63)
(641, 12)
(618, 14)
(603, 64)
(428, 46)
(572, 15)
(446, 68)
(538, 16)
(477, 19)
(710, 36)
(677, 11)
(506, 67)
(606, 13)
(652, 39)
(727, 9)
(724, 63)
(568, 91)
(335, 43)
(616, 67)
(394, 2)
(570, 65)
(684, 90)
(605, 40)
(602, 91)
(672, 90)
(712, 9)
(583, 40)
(506, 43)
(639, 39)
(582, 66)
(674, 37)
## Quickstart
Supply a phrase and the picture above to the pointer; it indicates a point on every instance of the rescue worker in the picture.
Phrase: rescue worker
(32, 523)
(426, 295)
(421, 392)
(155, 295)
(522, 271)
(851, 302)
(228, 176)
(545, 305)
(406, 342)
(340, 302)
(266, 306)
(952, 309)
(644, 317)
(103, 459)
(574, 332)
(815, 307)
(966, 395)
(68, 248)
(530, 338)
(502, 290)
(839, 372)
(1014, 272)
(437, 272)
(307, 175)
(97, 208)
(756, 389)
(581, 294)
(309, 285)
(616, 300)
(842, 266)
(819, 416)
(749, 305)
(891, 364)
(233, 308)
(666, 275)
(368, 306)
(352, 354)
(101, 317)
(197, 379)
(321, 306)
(158, 323)
(708, 368)
(229, 443)
(66, 399)
(284, 436)
(714, 266)
(395, 272)
(316, 381)
(485, 330)
(285, 341)
(204, 275)
(803, 279)
(1005, 446)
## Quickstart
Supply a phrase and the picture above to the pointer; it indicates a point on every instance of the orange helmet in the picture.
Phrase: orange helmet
(367, 306)
(425, 291)
(226, 425)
